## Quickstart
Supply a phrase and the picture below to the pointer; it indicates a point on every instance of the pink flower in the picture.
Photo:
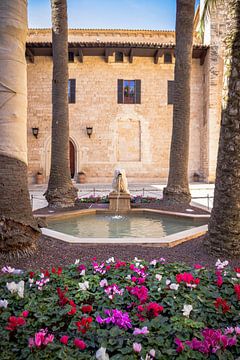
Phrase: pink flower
(187, 278)
(180, 345)
(64, 339)
(198, 266)
(141, 292)
(137, 347)
(48, 339)
(237, 330)
(237, 290)
(39, 338)
(80, 344)
(143, 331)
(219, 278)
(25, 313)
(229, 330)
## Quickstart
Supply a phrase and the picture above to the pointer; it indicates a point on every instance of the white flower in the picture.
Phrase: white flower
(82, 273)
(8, 269)
(101, 354)
(128, 277)
(159, 289)
(77, 261)
(84, 286)
(3, 303)
(16, 287)
(174, 286)
(192, 286)
(238, 275)
(168, 282)
(151, 355)
(153, 262)
(186, 310)
(111, 259)
(31, 281)
(158, 277)
(221, 265)
(103, 283)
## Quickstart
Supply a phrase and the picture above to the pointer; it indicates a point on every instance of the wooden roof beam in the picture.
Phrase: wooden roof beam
(30, 55)
(80, 55)
(157, 55)
(131, 56)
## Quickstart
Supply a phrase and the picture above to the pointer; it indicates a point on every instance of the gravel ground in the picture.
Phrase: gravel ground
(52, 252)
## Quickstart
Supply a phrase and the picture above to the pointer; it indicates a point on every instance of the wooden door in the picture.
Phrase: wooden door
(72, 159)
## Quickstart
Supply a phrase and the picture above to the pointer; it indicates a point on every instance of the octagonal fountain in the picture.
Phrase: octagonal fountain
(121, 224)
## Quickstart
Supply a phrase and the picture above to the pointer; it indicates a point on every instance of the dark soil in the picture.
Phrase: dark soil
(176, 208)
(53, 252)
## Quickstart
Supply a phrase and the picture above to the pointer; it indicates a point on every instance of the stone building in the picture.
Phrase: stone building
(120, 103)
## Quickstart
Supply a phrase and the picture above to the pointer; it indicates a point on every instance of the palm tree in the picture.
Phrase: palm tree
(60, 192)
(18, 229)
(177, 190)
(224, 226)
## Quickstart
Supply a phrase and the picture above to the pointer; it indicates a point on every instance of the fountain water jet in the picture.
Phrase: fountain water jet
(119, 198)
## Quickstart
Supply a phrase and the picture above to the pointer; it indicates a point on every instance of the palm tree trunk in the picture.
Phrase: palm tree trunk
(224, 227)
(18, 229)
(60, 192)
(177, 190)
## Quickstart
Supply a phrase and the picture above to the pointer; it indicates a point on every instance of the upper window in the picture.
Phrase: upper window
(129, 91)
(167, 58)
(70, 56)
(72, 91)
(119, 56)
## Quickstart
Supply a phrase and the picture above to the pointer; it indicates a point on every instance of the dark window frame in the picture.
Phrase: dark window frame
(71, 57)
(119, 57)
(168, 58)
(136, 99)
(71, 91)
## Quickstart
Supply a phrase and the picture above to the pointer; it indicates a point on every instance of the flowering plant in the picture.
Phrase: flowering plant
(119, 310)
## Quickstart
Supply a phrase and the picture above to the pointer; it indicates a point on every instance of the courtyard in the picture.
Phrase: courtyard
(119, 180)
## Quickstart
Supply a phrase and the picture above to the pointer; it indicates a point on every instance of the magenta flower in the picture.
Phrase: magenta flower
(180, 345)
(213, 340)
(116, 317)
(64, 339)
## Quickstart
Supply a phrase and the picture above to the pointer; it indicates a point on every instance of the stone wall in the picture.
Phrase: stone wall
(212, 85)
(133, 136)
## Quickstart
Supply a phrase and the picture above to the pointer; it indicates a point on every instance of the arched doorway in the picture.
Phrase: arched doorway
(72, 158)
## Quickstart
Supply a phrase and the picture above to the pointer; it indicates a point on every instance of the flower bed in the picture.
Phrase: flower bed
(121, 310)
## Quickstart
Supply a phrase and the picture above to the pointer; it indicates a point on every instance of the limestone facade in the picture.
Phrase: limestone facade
(135, 137)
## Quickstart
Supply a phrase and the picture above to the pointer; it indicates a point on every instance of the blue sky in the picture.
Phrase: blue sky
(123, 14)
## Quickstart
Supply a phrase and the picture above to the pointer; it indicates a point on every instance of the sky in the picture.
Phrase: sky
(108, 14)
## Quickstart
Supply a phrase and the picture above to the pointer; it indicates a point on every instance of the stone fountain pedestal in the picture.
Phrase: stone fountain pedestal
(119, 202)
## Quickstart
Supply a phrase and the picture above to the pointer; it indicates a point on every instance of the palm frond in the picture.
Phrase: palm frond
(209, 5)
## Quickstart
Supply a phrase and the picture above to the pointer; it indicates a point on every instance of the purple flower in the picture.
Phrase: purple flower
(116, 317)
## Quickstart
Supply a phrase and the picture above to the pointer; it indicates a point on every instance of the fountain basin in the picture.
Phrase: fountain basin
(140, 226)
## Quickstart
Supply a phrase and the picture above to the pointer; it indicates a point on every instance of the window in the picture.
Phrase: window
(167, 58)
(129, 91)
(170, 92)
(118, 56)
(72, 91)
(70, 56)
